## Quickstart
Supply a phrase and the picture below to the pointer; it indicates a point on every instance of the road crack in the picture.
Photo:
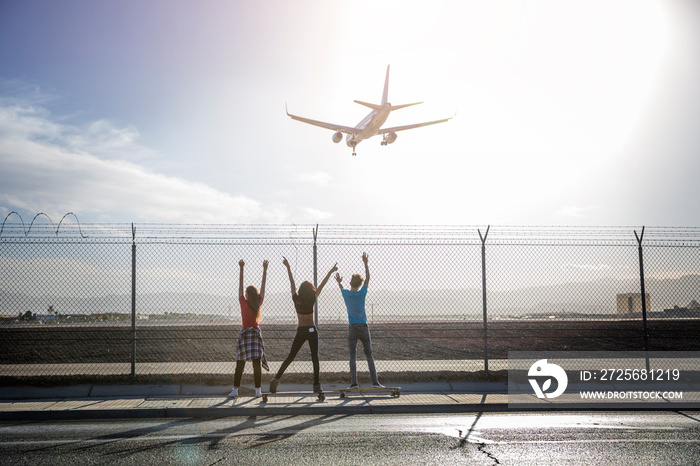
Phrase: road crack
(482, 449)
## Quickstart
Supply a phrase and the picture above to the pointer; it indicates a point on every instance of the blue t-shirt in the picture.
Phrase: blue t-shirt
(355, 304)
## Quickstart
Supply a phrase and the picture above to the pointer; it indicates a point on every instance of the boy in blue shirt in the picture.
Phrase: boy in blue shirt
(357, 320)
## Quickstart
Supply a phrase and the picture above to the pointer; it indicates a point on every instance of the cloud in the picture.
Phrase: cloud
(321, 179)
(102, 138)
(51, 167)
(315, 215)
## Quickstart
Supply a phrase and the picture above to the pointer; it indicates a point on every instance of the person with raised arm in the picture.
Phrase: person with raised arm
(357, 323)
(250, 342)
(304, 302)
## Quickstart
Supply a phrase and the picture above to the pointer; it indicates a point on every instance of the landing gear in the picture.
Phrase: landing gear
(352, 142)
(388, 138)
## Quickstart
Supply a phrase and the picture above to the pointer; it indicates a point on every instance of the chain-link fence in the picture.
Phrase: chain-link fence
(150, 299)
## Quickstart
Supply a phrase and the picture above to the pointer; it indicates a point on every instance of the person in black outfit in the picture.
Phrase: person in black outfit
(306, 331)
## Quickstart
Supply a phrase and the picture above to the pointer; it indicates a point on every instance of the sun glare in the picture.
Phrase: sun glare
(549, 89)
(572, 76)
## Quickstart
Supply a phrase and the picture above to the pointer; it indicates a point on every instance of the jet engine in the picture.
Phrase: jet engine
(388, 139)
(337, 137)
(352, 142)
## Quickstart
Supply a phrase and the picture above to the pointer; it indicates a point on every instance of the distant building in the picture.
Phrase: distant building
(631, 303)
(691, 310)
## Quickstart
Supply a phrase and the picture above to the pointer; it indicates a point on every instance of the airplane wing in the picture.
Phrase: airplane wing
(322, 124)
(415, 125)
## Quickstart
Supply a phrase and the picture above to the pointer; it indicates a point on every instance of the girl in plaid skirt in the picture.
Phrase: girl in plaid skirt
(250, 342)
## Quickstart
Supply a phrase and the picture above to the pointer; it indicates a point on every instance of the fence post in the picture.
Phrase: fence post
(644, 297)
(483, 295)
(315, 275)
(133, 303)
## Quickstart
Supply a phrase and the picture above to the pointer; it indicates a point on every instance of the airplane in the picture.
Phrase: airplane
(371, 125)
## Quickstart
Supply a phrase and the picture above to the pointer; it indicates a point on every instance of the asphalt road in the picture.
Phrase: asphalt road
(486, 438)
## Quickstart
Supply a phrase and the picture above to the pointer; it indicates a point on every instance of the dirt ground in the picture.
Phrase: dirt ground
(390, 341)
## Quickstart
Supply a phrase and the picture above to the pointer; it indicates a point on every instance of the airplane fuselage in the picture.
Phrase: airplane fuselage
(369, 126)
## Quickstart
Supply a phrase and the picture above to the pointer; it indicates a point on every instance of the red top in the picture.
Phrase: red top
(247, 314)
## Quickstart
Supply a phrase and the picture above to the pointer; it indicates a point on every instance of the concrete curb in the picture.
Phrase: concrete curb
(218, 413)
(175, 390)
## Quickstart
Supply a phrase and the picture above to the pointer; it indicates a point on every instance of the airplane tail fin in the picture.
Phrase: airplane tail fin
(385, 94)
(385, 97)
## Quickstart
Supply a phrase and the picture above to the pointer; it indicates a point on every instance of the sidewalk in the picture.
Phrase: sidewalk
(205, 401)
(202, 401)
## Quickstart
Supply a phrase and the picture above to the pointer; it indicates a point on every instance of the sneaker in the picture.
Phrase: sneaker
(273, 385)
(317, 388)
(258, 392)
(234, 393)
(377, 385)
(353, 386)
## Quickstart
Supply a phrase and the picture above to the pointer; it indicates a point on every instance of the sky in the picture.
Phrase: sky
(565, 113)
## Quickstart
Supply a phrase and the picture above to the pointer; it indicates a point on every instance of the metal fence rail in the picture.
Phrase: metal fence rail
(162, 299)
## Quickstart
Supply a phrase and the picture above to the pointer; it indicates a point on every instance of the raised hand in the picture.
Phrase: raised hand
(265, 264)
(241, 263)
(289, 273)
(365, 258)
